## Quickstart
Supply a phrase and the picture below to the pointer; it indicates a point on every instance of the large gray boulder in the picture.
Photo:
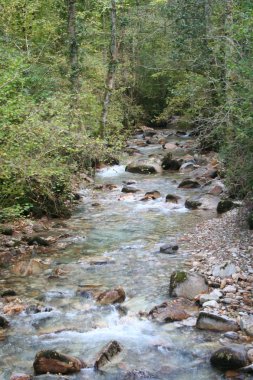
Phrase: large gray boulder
(141, 166)
(187, 285)
(215, 322)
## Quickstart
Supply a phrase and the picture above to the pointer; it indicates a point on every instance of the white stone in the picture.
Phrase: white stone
(211, 303)
(229, 289)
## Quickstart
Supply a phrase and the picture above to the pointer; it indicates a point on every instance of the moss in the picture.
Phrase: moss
(176, 278)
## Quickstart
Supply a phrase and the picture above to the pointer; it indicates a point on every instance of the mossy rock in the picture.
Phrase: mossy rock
(227, 358)
(225, 205)
(8, 231)
(176, 278)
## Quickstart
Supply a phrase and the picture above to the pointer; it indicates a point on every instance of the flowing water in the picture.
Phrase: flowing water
(115, 240)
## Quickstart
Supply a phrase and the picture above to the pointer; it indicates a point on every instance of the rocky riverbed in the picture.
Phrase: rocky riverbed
(153, 271)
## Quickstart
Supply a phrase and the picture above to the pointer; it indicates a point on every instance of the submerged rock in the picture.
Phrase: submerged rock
(108, 297)
(50, 361)
(233, 357)
(136, 375)
(169, 248)
(31, 267)
(183, 284)
(20, 376)
(107, 353)
(215, 322)
(192, 203)
(171, 311)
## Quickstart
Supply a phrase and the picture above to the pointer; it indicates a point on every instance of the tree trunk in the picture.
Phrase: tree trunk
(111, 70)
(73, 47)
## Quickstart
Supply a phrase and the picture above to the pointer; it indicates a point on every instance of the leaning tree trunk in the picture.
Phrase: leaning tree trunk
(229, 61)
(111, 70)
(73, 47)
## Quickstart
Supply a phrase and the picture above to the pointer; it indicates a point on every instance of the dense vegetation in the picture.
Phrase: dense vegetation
(77, 76)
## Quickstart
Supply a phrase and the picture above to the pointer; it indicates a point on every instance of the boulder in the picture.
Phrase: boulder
(187, 167)
(3, 322)
(209, 202)
(192, 203)
(8, 231)
(37, 240)
(189, 184)
(168, 163)
(172, 198)
(108, 297)
(8, 293)
(171, 311)
(50, 361)
(144, 167)
(224, 270)
(246, 324)
(233, 357)
(169, 248)
(31, 267)
(187, 285)
(225, 205)
(151, 195)
(107, 353)
(250, 355)
(215, 322)
(169, 146)
(129, 189)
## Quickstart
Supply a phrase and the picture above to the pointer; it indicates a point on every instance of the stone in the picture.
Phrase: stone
(189, 184)
(129, 189)
(229, 289)
(37, 240)
(209, 202)
(171, 311)
(224, 270)
(3, 322)
(151, 195)
(107, 353)
(8, 231)
(136, 375)
(144, 167)
(8, 293)
(169, 248)
(192, 203)
(172, 198)
(39, 227)
(20, 376)
(187, 166)
(211, 303)
(108, 297)
(215, 295)
(225, 205)
(168, 163)
(233, 357)
(50, 361)
(250, 355)
(247, 369)
(215, 322)
(187, 285)
(231, 335)
(31, 267)
(246, 324)
(216, 190)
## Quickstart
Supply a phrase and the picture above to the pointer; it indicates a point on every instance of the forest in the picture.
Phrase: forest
(77, 77)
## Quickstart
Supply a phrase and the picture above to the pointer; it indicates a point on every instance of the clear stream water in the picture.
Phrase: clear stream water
(122, 234)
